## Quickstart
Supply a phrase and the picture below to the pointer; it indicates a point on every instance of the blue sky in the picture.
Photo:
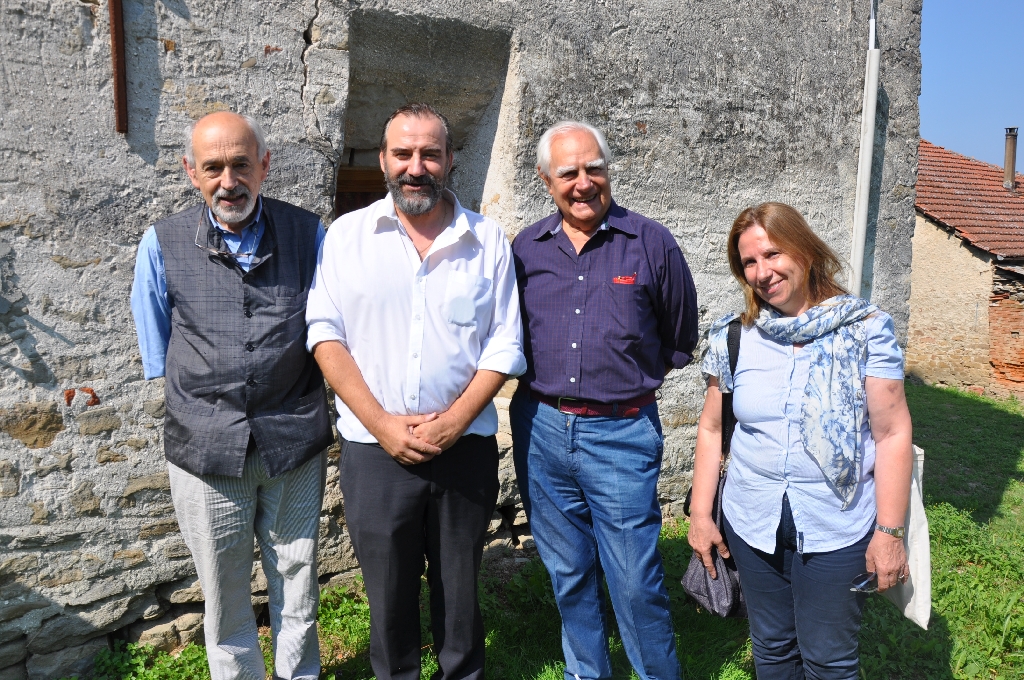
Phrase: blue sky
(972, 81)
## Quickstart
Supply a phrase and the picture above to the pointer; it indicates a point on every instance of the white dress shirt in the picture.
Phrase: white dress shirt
(418, 331)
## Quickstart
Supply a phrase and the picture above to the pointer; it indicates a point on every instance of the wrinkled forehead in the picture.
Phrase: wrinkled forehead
(575, 148)
(224, 140)
(418, 131)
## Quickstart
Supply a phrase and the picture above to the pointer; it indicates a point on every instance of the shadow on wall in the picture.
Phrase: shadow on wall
(18, 351)
(399, 59)
(143, 51)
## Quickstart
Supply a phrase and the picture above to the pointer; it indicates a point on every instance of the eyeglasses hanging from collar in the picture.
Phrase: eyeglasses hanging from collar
(215, 251)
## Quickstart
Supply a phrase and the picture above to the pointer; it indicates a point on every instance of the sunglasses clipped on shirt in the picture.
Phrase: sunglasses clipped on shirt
(215, 251)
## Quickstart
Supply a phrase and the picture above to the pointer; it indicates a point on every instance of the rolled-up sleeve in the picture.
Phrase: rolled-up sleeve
(323, 315)
(150, 305)
(502, 350)
(677, 313)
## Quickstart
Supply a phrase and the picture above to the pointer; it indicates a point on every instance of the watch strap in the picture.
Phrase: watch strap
(897, 532)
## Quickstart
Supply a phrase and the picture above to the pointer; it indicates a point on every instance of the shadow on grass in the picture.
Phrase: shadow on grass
(972, 446)
(974, 450)
(524, 628)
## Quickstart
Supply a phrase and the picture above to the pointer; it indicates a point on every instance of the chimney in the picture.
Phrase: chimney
(1010, 162)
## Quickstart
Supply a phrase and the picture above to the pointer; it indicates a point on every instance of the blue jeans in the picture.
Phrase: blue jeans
(804, 620)
(592, 502)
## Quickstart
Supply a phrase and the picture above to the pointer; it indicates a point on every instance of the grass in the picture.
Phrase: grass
(974, 494)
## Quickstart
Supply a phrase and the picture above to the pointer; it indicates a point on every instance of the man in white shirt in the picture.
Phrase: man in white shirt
(414, 319)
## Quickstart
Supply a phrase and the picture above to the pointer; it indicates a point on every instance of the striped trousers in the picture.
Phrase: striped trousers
(219, 516)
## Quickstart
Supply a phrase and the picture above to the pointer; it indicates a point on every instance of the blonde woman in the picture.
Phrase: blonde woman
(819, 478)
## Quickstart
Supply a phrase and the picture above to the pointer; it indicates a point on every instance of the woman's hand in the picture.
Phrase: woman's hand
(706, 469)
(892, 431)
(887, 557)
(704, 535)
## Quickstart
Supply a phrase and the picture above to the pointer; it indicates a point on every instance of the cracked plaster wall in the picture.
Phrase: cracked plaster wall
(709, 107)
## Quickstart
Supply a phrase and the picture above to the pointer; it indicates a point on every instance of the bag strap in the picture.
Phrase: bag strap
(728, 425)
(728, 417)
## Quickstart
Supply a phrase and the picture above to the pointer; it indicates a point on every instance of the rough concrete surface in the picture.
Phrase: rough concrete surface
(709, 106)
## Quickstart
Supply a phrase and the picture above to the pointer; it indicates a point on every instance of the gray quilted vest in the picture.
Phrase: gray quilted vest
(237, 362)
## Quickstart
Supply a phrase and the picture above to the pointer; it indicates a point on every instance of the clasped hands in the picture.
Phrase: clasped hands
(416, 439)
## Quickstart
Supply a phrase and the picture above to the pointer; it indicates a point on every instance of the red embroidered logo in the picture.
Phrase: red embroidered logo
(629, 280)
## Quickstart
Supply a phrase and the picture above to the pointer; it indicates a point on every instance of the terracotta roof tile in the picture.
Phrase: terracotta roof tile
(968, 196)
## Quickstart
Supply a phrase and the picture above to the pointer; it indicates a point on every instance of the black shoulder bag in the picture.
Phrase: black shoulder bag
(722, 595)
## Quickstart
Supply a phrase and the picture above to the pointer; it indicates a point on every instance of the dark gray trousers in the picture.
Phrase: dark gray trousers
(399, 514)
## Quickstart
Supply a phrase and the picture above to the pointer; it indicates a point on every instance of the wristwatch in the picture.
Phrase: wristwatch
(897, 532)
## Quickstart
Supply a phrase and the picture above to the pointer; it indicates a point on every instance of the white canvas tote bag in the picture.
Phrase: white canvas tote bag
(914, 598)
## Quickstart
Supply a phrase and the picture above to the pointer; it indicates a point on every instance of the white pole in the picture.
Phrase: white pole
(867, 148)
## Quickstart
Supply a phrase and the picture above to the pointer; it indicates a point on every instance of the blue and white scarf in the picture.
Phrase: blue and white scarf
(834, 402)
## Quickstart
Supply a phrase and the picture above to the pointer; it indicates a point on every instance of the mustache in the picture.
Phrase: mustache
(237, 192)
(418, 180)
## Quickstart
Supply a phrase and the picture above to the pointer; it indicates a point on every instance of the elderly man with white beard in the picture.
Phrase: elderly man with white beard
(219, 303)
(414, 319)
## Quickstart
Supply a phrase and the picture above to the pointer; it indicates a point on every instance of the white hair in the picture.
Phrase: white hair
(544, 145)
(254, 127)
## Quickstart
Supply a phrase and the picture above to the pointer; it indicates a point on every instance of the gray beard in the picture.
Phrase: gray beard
(418, 205)
(228, 214)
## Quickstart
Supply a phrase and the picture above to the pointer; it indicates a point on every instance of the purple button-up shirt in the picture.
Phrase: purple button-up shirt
(605, 324)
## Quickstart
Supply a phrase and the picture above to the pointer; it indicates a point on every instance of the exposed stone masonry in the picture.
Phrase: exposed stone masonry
(1006, 329)
(705, 110)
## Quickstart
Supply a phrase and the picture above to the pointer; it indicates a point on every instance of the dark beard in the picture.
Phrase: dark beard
(419, 205)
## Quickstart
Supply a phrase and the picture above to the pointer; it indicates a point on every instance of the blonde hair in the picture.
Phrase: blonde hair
(789, 232)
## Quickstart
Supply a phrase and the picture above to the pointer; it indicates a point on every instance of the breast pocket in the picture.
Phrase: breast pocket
(624, 303)
(467, 299)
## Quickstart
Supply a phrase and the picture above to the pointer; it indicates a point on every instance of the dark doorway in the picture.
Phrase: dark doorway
(358, 187)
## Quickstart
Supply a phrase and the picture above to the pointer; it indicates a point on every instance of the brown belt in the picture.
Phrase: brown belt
(623, 409)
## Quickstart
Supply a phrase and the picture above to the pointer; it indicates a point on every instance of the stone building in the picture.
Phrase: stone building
(967, 287)
(709, 107)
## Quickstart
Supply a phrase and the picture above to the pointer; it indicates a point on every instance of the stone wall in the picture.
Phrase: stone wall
(1006, 330)
(706, 112)
(951, 285)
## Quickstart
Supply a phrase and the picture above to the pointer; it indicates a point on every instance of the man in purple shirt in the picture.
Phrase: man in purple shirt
(608, 308)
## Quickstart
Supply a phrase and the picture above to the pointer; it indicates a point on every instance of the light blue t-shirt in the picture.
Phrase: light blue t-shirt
(768, 456)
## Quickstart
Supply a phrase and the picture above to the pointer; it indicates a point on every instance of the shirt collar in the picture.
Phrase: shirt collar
(615, 218)
(256, 215)
(386, 216)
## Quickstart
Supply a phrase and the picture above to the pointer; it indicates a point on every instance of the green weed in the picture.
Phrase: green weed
(142, 662)
(974, 496)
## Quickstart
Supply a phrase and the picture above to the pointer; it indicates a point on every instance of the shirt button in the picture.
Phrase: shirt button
(412, 397)
(248, 314)
(574, 345)
(250, 347)
(572, 379)
(581, 278)
(250, 382)
(417, 317)
(415, 356)
(577, 311)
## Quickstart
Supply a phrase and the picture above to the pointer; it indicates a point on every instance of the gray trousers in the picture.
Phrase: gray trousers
(219, 516)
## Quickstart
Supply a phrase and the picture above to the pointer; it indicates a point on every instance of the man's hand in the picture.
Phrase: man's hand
(704, 535)
(441, 431)
(887, 558)
(395, 434)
